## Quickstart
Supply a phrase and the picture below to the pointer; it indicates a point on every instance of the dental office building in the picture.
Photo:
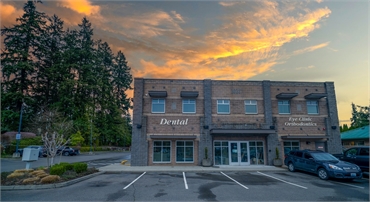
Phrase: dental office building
(241, 123)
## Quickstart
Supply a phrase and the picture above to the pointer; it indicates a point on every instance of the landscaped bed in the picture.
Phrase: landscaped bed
(57, 173)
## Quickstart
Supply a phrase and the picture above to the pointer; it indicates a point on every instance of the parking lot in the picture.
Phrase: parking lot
(202, 186)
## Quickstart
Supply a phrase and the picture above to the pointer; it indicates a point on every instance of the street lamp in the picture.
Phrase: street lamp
(18, 136)
(90, 135)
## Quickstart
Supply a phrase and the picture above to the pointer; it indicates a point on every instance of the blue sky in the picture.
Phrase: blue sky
(241, 40)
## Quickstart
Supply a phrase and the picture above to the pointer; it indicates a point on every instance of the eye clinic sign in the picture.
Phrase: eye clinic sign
(300, 121)
(174, 122)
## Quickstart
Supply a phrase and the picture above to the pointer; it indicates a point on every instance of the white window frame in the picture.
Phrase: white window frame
(311, 104)
(157, 102)
(283, 103)
(189, 102)
(250, 103)
(223, 102)
(162, 151)
(184, 147)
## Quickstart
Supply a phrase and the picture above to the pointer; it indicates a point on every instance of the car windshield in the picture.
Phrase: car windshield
(323, 157)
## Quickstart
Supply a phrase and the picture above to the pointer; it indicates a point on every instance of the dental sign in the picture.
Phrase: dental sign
(300, 121)
(175, 122)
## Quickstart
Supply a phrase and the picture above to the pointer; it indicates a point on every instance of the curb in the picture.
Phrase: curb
(50, 186)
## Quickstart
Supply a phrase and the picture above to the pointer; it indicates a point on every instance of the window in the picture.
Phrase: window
(312, 107)
(256, 152)
(188, 106)
(290, 145)
(161, 151)
(184, 151)
(223, 107)
(158, 105)
(221, 153)
(284, 106)
(250, 106)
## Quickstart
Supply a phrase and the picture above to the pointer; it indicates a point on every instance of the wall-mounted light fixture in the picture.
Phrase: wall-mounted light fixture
(333, 127)
(138, 126)
(205, 127)
(272, 127)
(308, 142)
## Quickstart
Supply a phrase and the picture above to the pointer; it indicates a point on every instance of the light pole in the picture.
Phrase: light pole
(18, 136)
(90, 136)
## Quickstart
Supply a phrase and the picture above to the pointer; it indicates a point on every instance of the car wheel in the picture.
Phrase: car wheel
(323, 174)
(291, 167)
(66, 153)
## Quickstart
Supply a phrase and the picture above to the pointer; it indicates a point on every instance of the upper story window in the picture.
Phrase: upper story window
(188, 106)
(284, 106)
(158, 105)
(312, 107)
(250, 106)
(223, 106)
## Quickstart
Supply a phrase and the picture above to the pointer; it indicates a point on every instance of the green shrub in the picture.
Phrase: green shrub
(30, 141)
(80, 167)
(66, 165)
(57, 170)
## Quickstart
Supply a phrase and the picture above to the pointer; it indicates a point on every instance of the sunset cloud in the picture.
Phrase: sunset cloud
(8, 14)
(311, 48)
(80, 6)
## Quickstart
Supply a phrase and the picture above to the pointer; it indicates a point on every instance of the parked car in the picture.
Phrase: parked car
(68, 151)
(321, 163)
(42, 150)
(358, 155)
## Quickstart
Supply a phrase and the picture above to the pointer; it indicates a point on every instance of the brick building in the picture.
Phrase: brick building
(239, 122)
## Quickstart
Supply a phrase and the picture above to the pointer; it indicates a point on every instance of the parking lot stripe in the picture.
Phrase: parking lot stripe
(186, 184)
(282, 180)
(134, 181)
(350, 185)
(234, 180)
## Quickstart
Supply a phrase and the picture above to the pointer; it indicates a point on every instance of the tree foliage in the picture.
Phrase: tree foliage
(66, 71)
(360, 118)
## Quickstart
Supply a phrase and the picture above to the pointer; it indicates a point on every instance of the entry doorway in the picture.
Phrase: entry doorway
(239, 153)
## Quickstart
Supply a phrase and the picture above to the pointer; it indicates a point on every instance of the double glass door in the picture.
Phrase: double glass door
(238, 151)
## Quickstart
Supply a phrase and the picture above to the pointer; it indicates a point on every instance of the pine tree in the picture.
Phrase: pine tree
(18, 62)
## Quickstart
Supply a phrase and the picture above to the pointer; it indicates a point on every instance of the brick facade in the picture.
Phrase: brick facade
(205, 127)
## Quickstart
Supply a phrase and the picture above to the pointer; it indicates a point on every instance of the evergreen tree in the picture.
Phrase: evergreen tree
(122, 80)
(359, 118)
(18, 62)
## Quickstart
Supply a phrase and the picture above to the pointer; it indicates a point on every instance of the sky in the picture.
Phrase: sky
(314, 41)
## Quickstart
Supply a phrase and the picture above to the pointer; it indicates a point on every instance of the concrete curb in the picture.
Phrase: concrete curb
(50, 186)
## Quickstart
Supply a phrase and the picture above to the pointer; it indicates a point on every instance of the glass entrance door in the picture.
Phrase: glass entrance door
(239, 153)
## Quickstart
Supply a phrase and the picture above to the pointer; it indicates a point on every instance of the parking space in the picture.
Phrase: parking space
(207, 186)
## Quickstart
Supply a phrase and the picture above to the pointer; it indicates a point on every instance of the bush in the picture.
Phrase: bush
(80, 167)
(57, 170)
(66, 165)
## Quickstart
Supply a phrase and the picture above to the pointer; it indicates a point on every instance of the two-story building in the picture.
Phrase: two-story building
(239, 122)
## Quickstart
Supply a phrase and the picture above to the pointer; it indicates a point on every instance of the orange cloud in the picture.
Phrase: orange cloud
(8, 14)
(81, 6)
(311, 48)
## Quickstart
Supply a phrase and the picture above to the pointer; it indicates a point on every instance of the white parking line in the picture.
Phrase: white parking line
(134, 181)
(234, 180)
(186, 184)
(350, 185)
(282, 180)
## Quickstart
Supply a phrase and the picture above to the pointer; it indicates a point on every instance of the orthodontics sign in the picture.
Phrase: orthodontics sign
(178, 122)
(300, 121)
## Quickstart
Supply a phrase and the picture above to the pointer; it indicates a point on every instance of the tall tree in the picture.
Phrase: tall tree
(122, 80)
(18, 61)
(360, 116)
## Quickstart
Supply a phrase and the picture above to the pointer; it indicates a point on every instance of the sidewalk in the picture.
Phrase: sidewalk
(118, 168)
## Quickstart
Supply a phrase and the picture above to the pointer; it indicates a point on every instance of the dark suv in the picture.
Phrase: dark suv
(358, 155)
(321, 163)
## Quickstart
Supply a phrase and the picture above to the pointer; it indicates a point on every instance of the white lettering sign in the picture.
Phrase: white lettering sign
(300, 121)
(174, 122)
